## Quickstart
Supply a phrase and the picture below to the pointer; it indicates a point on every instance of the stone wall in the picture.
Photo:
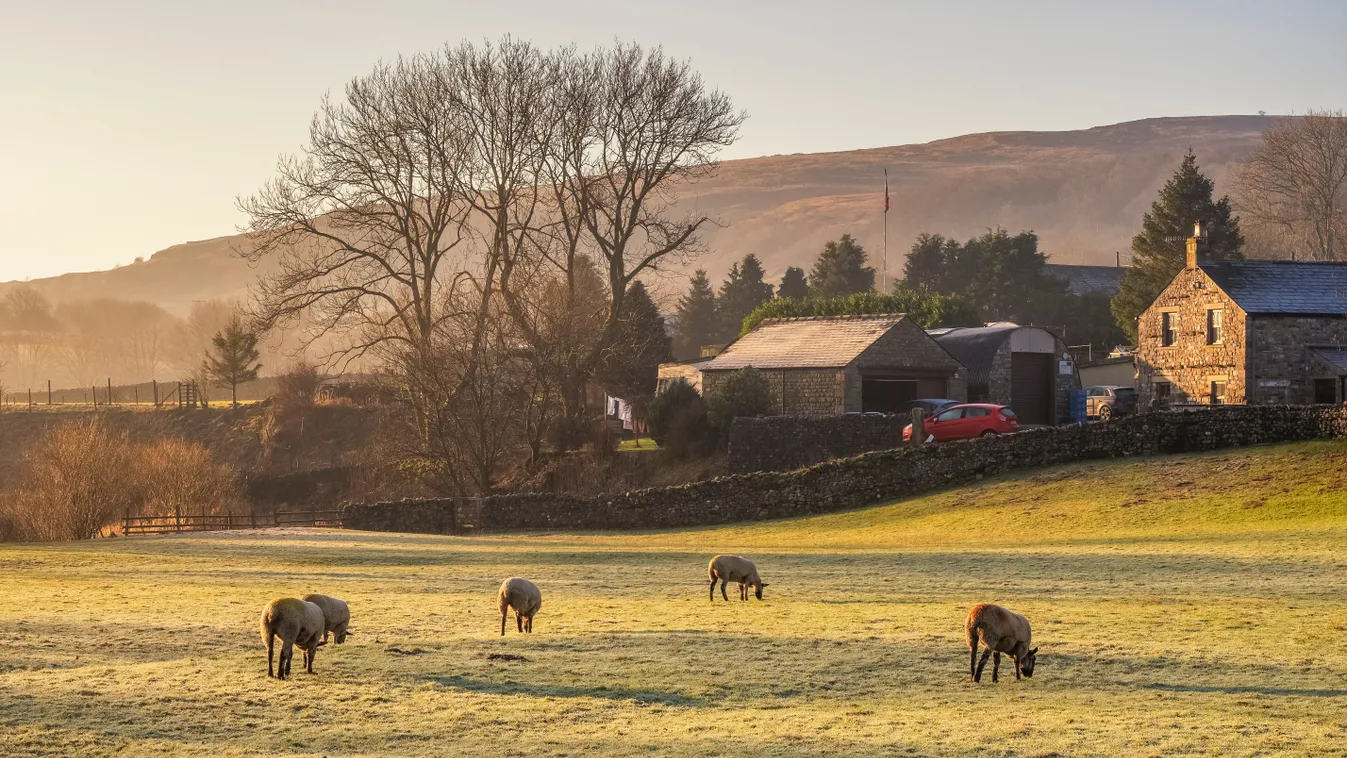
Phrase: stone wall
(870, 478)
(797, 391)
(781, 443)
(1282, 359)
(1190, 365)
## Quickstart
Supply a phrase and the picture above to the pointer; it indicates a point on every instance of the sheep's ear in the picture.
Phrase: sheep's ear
(764, 584)
(1033, 652)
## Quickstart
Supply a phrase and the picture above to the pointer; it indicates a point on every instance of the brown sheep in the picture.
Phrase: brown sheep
(1001, 631)
(298, 624)
(524, 597)
(732, 568)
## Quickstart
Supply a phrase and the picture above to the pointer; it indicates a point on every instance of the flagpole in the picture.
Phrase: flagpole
(884, 278)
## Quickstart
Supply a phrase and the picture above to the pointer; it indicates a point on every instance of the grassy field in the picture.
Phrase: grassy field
(1184, 605)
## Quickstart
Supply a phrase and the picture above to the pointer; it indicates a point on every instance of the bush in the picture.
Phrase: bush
(297, 386)
(677, 419)
(78, 478)
(743, 393)
(929, 310)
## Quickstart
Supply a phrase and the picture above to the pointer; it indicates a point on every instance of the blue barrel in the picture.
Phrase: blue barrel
(1078, 406)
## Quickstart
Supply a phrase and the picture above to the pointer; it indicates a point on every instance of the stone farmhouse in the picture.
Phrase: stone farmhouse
(1025, 367)
(1245, 332)
(827, 365)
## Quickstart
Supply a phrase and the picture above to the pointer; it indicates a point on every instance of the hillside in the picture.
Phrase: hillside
(1182, 605)
(1083, 191)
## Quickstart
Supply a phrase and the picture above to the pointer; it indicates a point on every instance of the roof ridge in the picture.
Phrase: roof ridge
(838, 317)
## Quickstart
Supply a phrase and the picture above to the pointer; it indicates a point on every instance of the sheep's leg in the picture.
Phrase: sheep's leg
(973, 658)
(519, 620)
(713, 588)
(724, 594)
(996, 667)
(271, 650)
(743, 591)
(982, 662)
(309, 655)
(503, 616)
(287, 653)
(1017, 669)
(528, 625)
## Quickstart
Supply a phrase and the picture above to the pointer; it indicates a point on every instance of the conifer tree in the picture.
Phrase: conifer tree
(696, 318)
(741, 292)
(793, 284)
(840, 270)
(1159, 250)
(631, 368)
(235, 358)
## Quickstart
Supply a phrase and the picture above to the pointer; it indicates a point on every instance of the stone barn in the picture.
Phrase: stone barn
(1024, 367)
(827, 365)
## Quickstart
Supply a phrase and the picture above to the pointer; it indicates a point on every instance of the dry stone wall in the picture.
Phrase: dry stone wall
(867, 479)
(781, 443)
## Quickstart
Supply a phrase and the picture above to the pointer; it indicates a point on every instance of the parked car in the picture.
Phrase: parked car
(932, 406)
(1107, 401)
(962, 422)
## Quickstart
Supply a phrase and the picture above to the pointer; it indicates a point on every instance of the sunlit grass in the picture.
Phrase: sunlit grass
(1183, 605)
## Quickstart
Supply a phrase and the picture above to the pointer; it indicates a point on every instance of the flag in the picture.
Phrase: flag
(886, 190)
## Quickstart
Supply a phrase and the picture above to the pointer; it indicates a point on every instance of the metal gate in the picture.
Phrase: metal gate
(1031, 387)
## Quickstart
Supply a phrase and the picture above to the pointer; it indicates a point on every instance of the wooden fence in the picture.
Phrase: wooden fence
(330, 518)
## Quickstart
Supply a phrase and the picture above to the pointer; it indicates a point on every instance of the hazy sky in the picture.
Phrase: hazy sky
(126, 127)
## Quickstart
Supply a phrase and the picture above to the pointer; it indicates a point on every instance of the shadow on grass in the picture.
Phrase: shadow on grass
(1247, 690)
(645, 697)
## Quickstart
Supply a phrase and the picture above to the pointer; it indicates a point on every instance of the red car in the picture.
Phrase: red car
(964, 422)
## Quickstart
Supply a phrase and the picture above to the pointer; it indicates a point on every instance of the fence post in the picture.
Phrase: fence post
(155, 385)
(94, 390)
(48, 392)
(109, 390)
(126, 524)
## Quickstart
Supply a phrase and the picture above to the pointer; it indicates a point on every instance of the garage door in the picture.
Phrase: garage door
(1031, 387)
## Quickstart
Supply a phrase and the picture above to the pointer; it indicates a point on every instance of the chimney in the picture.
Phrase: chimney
(1192, 246)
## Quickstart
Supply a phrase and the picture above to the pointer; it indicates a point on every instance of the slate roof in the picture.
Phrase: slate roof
(1334, 355)
(1085, 280)
(1289, 287)
(975, 347)
(805, 342)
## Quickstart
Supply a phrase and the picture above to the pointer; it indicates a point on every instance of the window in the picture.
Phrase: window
(976, 412)
(1007, 413)
(1215, 335)
(1169, 322)
(1096, 392)
(1163, 391)
(1218, 392)
(950, 414)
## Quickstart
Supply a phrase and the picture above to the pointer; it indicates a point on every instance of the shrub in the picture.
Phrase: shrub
(297, 386)
(929, 310)
(78, 478)
(743, 393)
(677, 420)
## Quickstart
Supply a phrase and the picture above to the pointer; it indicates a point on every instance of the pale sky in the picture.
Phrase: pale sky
(126, 127)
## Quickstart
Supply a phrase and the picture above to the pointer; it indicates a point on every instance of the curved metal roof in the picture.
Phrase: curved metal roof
(975, 347)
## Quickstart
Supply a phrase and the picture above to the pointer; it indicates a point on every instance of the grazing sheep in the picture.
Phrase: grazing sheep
(732, 568)
(336, 616)
(1001, 631)
(524, 597)
(298, 624)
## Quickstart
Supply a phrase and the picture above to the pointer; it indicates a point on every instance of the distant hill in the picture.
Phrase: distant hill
(1083, 191)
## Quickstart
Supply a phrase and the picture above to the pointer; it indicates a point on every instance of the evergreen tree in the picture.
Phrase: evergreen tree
(741, 292)
(631, 368)
(1007, 277)
(696, 318)
(235, 359)
(1159, 251)
(929, 310)
(793, 284)
(840, 270)
(929, 264)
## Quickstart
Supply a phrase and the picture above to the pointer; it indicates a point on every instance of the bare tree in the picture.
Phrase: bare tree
(365, 224)
(1293, 189)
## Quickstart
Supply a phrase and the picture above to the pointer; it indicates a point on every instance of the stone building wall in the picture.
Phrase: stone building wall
(1190, 365)
(870, 478)
(798, 391)
(1283, 368)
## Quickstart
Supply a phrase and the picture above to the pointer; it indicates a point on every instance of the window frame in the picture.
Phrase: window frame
(1212, 396)
(1216, 326)
(1169, 328)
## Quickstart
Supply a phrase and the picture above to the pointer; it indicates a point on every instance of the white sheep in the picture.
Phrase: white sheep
(524, 597)
(1001, 631)
(336, 616)
(732, 568)
(298, 624)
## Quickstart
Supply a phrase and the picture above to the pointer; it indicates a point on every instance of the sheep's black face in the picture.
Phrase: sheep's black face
(339, 637)
(757, 590)
(1027, 663)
